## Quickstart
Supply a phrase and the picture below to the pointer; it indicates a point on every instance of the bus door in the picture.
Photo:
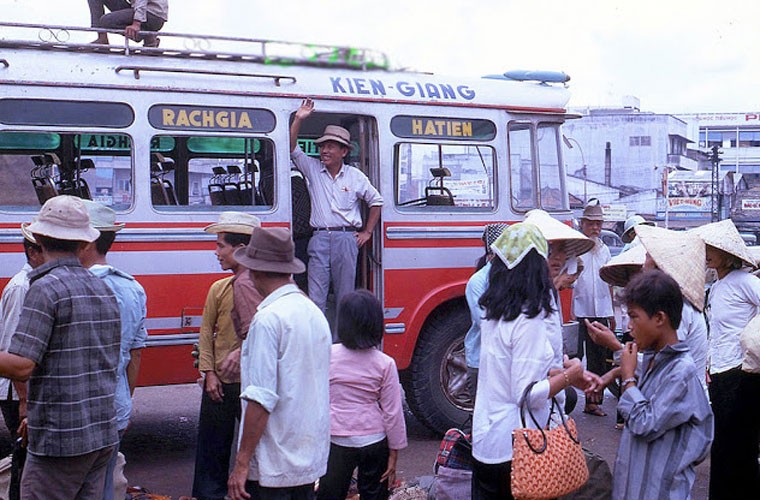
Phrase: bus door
(364, 156)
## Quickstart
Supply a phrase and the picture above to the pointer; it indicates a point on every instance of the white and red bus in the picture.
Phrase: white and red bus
(170, 137)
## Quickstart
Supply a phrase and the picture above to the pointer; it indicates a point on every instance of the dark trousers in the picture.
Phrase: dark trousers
(596, 355)
(491, 481)
(372, 461)
(216, 432)
(9, 409)
(120, 17)
(733, 457)
(258, 492)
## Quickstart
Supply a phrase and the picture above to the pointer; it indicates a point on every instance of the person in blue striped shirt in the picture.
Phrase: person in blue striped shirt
(668, 420)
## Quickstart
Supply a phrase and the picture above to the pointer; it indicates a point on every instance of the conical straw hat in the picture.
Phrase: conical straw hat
(724, 236)
(621, 268)
(574, 242)
(679, 254)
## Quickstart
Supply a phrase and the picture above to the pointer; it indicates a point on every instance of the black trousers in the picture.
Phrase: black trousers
(372, 461)
(258, 492)
(491, 481)
(216, 432)
(733, 458)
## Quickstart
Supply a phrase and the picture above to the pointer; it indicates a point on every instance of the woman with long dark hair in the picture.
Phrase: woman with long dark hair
(520, 320)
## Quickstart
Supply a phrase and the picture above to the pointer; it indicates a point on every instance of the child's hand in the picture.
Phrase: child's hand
(628, 360)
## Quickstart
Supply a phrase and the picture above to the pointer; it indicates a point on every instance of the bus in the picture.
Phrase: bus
(170, 137)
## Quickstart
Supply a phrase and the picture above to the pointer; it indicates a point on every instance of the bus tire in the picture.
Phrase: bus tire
(436, 381)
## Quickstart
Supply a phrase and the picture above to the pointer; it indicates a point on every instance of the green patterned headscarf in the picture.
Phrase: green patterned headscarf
(516, 241)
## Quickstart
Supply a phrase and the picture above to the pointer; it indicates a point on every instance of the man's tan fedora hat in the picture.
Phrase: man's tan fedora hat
(593, 211)
(620, 269)
(234, 222)
(336, 133)
(64, 217)
(102, 217)
(271, 250)
(574, 243)
(679, 254)
(724, 236)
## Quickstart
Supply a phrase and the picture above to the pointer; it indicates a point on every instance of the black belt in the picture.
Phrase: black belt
(346, 229)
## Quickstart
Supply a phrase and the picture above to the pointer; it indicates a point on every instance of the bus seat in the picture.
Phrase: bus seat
(157, 193)
(216, 186)
(44, 188)
(171, 195)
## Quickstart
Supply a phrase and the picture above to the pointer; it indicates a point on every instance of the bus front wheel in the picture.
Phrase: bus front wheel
(436, 381)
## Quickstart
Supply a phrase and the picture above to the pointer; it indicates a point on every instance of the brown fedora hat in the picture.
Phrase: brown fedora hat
(270, 250)
(337, 134)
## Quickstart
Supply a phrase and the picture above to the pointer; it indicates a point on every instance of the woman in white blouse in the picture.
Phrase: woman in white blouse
(516, 350)
(733, 301)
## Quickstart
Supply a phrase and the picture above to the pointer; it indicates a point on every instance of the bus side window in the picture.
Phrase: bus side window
(212, 172)
(522, 174)
(549, 171)
(40, 165)
(449, 175)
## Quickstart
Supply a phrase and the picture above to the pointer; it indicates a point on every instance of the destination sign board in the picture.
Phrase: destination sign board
(172, 117)
(442, 128)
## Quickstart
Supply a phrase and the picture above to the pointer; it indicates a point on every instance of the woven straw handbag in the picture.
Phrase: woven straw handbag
(546, 463)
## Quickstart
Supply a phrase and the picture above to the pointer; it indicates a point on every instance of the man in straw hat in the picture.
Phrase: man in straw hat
(12, 392)
(132, 311)
(67, 345)
(733, 301)
(285, 436)
(336, 190)
(230, 306)
(592, 298)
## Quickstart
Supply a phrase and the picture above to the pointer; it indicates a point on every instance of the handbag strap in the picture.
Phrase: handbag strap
(563, 418)
(523, 404)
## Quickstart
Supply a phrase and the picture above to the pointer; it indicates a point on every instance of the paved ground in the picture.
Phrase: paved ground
(160, 445)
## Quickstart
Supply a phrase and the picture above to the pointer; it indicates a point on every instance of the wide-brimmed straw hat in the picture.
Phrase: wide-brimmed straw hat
(679, 254)
(271, 250)
(26, 233)
(574, 243)
(64, 217)
(336, 133)
(593, 211)
(620, 269)
(724, 236)
(102, 217)
(234, 222)
(629, 226)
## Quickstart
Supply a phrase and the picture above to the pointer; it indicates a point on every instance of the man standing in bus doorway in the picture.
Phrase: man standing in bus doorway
(592, 299)
(67, 345)
(12, 392)
(132, 311)
(336, 191)
(230, 306)
(285, 431)
(131, 16)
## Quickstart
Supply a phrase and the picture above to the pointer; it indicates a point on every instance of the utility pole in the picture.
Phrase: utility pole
(715, 199)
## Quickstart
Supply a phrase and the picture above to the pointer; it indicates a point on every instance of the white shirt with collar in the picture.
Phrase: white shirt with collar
(335, 201)
(11, 304)
(285, 367)
(591, 295)
(733, 301)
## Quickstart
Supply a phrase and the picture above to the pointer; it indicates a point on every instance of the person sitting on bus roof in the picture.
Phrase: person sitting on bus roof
(336, 190)
(132, 16)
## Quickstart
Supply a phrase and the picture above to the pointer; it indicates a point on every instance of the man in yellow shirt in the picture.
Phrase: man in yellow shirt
(219, 347)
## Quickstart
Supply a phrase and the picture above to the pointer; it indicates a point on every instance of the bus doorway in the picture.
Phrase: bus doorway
(363, 156)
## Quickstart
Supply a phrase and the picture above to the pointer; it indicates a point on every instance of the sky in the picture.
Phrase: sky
(676, 56)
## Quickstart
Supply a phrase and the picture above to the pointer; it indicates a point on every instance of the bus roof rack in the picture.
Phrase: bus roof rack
(521, 75)
(181, 45)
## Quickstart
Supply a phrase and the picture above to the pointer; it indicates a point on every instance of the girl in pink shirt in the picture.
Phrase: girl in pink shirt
(367, 425)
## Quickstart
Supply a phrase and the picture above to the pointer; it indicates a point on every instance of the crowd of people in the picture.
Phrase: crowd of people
(314, 402)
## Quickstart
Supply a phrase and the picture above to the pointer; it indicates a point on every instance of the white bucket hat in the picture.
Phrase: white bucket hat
(724, 236)
(64, 217)
(573, 242)
(629, 226)
(620, 269)
(234, 222)
(679, 254)
(102, 217)
(25, 231)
